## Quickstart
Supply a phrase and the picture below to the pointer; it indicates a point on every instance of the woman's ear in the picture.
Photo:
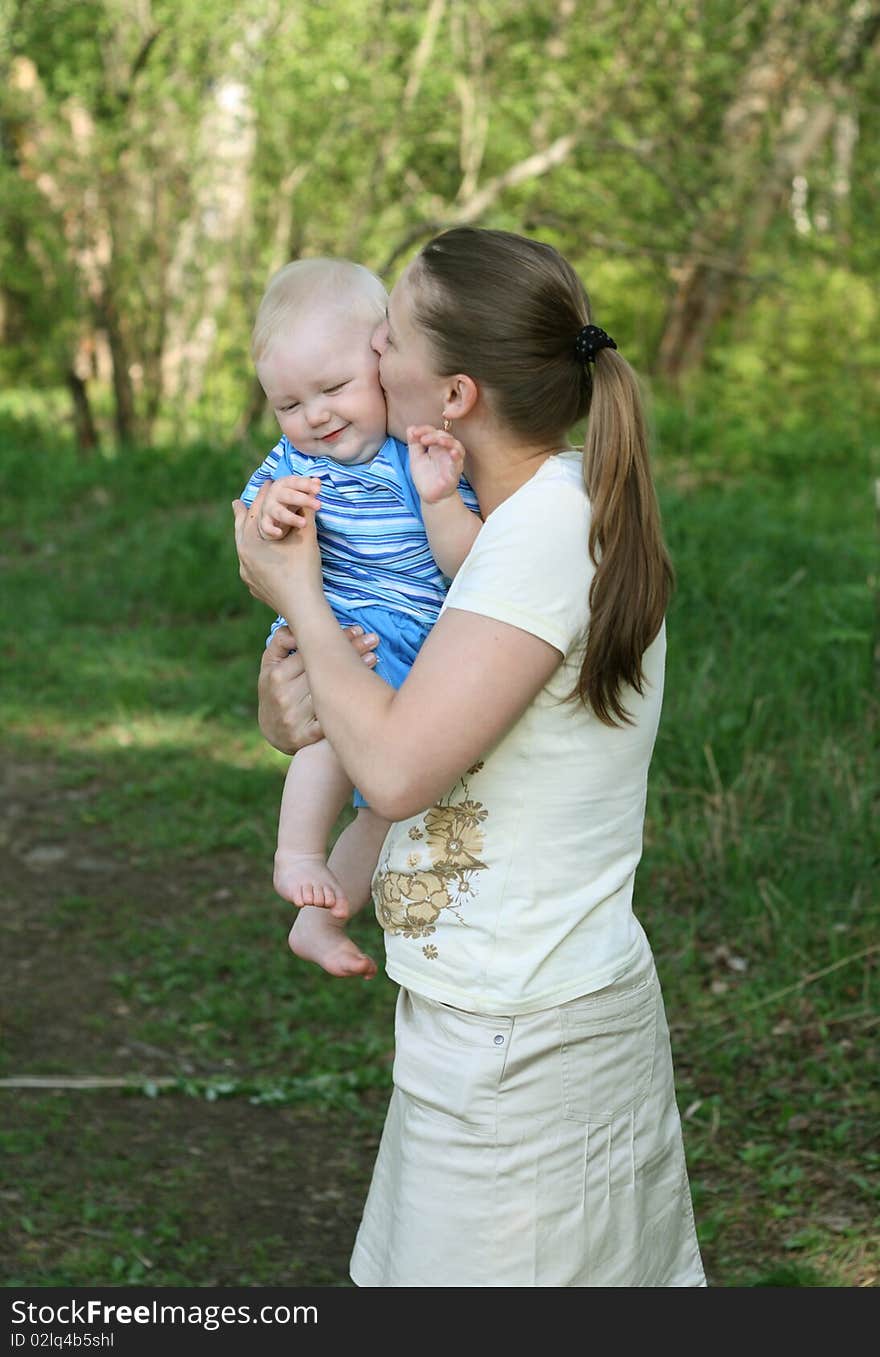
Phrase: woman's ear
(462, 394)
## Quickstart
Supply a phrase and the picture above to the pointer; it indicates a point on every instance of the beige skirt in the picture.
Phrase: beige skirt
(537, 1150)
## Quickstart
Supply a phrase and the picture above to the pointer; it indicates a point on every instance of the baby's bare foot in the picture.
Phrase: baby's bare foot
(305, 879)
(317, 936)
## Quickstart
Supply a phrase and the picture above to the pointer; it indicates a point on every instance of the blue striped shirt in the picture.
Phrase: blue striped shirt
(374, 548)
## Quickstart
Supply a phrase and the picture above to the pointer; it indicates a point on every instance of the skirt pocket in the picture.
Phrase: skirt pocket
(608, 1046)
(450, 1063)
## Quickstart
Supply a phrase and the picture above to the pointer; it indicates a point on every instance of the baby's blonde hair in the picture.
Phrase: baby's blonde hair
(336, 284)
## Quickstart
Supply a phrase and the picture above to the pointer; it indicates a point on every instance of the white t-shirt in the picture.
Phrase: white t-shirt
(514, 893)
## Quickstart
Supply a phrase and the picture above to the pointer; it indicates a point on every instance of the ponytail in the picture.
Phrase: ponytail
(634, 577)
(532, 345)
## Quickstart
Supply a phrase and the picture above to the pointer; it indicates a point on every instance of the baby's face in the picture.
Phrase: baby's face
(321, 378)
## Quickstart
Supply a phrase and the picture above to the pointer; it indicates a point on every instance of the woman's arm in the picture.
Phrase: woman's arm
(473, 678)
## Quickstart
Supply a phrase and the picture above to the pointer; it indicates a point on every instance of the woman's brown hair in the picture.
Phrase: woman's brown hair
(507, 310)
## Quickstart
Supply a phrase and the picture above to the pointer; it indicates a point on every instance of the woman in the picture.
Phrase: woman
(532, 1137)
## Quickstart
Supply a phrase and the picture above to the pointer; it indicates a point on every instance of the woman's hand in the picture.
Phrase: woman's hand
(286, 714)
(278, 572)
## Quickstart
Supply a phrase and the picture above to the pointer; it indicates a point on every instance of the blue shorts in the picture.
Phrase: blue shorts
(401, 638)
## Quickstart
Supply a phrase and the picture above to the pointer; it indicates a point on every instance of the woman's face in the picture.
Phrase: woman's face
(414, 391)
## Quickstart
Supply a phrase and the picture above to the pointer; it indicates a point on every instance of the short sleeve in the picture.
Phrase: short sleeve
(283, 460)
(277, 463)
(465, 489)
(400, 459)
(530, 565)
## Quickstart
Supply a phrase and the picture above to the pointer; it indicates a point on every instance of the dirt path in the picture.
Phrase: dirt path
(112, 1187)
(109, 1187)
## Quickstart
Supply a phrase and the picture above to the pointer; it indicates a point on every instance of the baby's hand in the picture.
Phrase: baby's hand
(283, 499)
(436, 461)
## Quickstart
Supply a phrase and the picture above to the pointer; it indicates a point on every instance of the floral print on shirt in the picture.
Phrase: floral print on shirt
(444, 869)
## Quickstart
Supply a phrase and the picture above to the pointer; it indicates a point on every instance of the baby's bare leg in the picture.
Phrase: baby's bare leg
(317, 935)
(315, 790)
(354, 857)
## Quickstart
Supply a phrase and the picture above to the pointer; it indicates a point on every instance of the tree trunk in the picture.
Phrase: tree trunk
(701, 296)
(705, 292)
(87, 440)
(253, 411)
(125, 414)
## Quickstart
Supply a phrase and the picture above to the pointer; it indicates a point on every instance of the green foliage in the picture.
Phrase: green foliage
(127, 673)
(160, 161)
(157, 163)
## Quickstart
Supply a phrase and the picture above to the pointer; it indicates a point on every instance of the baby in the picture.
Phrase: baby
(386, 558)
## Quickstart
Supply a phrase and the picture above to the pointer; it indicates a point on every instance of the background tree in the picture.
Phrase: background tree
(703, 165)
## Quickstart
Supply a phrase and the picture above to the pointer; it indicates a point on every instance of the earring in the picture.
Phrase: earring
(447, 424)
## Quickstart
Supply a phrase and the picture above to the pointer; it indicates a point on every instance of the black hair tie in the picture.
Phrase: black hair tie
(589, 341)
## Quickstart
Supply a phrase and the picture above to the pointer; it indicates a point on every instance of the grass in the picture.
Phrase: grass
(127, 690)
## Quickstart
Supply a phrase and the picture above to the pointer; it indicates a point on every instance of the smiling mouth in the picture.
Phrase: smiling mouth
(328, 437)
